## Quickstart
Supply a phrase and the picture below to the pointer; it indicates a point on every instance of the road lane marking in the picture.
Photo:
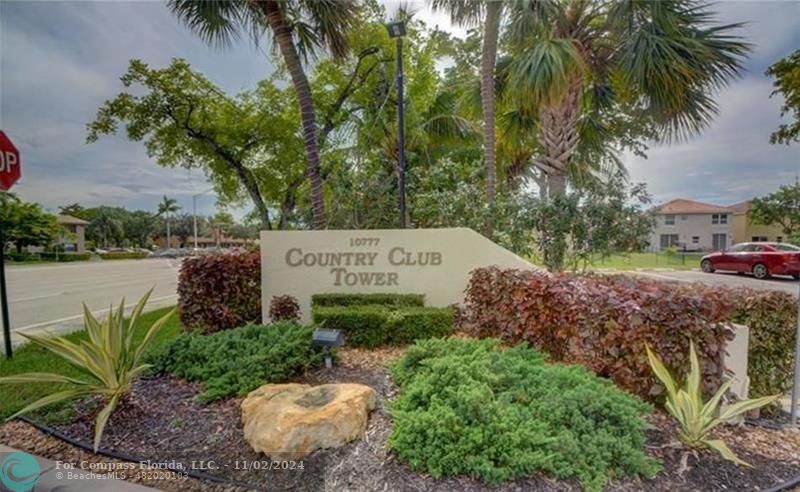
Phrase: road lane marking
(33, 298)
(78, 316)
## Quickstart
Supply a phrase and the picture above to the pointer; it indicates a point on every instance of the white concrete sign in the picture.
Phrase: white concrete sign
(434, 262)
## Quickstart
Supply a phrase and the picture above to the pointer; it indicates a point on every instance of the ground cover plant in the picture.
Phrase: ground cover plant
(107, 362)
(219, 292)
(468, 407)
(235, 362)
(697, 418)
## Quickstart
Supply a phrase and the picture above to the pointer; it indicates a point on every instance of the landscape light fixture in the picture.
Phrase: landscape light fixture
(397, 30)
(327, 339)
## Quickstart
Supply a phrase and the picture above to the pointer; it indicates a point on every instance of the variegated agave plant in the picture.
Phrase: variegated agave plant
(108, 361)
(696, 418)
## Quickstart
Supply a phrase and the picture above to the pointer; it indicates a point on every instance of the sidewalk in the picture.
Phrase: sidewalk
(53, 479)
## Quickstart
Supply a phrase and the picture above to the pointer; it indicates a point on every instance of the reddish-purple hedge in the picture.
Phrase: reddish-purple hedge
(603, 322)
(219, 292)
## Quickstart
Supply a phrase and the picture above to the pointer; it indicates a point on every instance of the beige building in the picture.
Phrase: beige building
(75, 239)
(745, 231)
(691, 225)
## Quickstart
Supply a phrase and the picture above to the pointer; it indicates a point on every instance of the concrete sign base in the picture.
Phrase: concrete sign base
(434, 262)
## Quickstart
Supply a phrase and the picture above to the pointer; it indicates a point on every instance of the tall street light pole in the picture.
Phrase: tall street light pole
(397, 30)
(194, 213)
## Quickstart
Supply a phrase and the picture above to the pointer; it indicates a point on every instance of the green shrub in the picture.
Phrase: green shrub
(404, 326)
(466, 407)
(124, 255)
(65, 257)
(235, 362)
(398, 300)
(772, 319)
(371, 326)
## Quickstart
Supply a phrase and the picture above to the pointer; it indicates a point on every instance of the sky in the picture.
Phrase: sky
(60, 60)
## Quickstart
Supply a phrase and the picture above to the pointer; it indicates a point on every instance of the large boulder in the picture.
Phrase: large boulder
(289, 421)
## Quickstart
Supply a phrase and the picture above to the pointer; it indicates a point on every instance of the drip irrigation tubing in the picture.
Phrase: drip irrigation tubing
(125, 457)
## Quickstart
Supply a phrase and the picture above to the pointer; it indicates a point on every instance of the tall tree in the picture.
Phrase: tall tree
(470, 13)
(781, 207)
(26, 224)
(657, 60)
(167, 208)
(298, 28)
(787, 83)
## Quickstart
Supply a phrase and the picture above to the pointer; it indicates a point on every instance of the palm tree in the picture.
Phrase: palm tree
(298, 28)
(657, 61)
(166, 208)
(470, 13)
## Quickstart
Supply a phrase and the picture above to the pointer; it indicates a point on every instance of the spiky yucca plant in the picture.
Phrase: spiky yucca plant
(697, 419)
(109, 361)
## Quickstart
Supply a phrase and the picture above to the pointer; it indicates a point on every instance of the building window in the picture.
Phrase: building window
(779, 239)
(695, 239)
(669, 220)
(668, 240)
(684, 217)
(719, 241)
(760, 239)
(719, 219)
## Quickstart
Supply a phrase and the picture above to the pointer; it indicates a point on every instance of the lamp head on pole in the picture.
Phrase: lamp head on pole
(396, 29)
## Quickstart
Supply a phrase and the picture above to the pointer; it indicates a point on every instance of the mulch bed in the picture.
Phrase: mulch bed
(164, 423)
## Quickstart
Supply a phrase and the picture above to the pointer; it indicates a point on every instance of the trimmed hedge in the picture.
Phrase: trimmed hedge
(124, 255)
(398, 300)
(65, 257)
(468, 407)
(772, 318)
(603, 322)
(219, 292)
(372, 325)
(235, 362)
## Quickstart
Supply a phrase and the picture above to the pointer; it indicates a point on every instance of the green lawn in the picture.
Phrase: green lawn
(32, 358)
(649, 260)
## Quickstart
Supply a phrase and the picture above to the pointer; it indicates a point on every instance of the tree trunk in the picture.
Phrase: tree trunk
(169, 242)
(488, 61)
(558, 134)
(283, 37)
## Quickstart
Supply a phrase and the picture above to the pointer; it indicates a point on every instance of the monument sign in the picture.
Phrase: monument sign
(434, 262)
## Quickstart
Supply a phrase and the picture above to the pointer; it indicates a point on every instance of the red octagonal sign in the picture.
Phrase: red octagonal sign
(9, 163)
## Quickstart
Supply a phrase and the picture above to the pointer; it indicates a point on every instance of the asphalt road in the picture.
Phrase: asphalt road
(47, 298)
(786, 284)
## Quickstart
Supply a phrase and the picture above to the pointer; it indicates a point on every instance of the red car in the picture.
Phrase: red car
(760, 259)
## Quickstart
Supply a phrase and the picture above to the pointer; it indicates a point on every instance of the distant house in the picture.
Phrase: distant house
(75, 239)
(691, 225)
(745, 231)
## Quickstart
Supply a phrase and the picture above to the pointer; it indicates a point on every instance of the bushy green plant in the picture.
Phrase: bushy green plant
(397, 300)
(695, 417)
(772, 319)
(467, 407)
(372, 326)
(235, 362)
(109, 361)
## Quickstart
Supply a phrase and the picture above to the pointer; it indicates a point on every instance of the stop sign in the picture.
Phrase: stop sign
(9, 163)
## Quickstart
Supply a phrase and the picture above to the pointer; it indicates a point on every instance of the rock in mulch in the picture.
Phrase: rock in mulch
(289, 421)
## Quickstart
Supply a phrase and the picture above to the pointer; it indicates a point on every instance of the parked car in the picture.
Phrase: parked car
(760, 259)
